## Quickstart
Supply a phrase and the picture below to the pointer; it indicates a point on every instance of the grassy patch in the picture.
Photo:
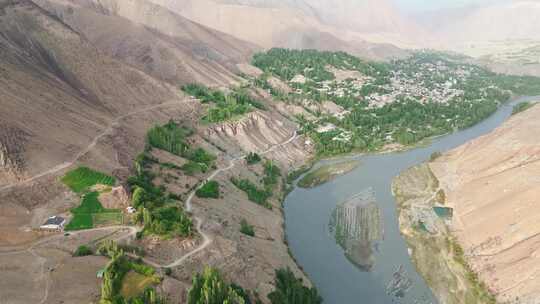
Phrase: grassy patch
(90, 208)
(108, 218)
(82, 178)
(134, 284)
(208, 190)
(326, 173)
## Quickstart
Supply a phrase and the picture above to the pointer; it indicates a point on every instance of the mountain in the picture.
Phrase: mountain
(492, 185)
(153, 39)
(499, 21)
(71, 69)
(292, 24)
(371, 20)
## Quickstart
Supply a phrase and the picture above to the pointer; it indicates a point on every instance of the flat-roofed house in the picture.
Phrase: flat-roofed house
(54, 223)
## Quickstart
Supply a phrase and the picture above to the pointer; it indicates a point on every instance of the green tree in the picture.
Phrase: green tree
(147, 217)
(290, 290)
(137, 199)
(210, 288)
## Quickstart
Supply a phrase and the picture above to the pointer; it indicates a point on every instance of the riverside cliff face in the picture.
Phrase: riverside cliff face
(489, 248)
(492, 185)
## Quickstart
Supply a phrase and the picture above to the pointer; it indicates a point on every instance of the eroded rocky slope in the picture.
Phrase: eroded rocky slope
(492, 185)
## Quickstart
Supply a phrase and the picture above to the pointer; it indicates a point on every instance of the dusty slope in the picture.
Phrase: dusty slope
(154, 39)
(58, 91)
(65, 101)
(293, 24)
(492, 184)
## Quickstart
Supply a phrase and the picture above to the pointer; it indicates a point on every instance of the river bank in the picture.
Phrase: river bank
(308, 212)
(431, 244)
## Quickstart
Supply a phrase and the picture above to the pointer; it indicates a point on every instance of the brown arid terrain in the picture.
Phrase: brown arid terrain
(305, 24)
(81, 83)
(431, 244)
(491, 241)
(492, 185)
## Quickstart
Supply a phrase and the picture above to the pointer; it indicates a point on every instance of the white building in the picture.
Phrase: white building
(54, 223)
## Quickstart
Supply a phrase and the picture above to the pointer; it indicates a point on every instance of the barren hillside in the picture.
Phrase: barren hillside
(292, 24)
(492, 185)
(155, 40)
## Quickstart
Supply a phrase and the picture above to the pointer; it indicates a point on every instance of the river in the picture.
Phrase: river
(308, 212)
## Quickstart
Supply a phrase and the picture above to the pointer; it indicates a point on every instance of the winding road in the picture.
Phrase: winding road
(207, 240)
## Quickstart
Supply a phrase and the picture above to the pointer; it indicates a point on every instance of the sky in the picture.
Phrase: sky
(426, 5)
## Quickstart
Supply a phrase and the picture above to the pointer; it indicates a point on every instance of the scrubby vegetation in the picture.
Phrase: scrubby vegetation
(81, 179)
(172, 137)
(209, 287)
(83, 250)
(480, 290)
(404, 101)
(246, 228)
(256, 195)
(272, 173)
(226, 106)
(253, 158)
(116, 272)
(157, 210)
(290, 289)
(167, 221)
(210, 189)
(84, 215)
(522, 106)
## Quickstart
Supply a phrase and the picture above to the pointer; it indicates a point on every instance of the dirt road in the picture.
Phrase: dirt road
(92, 144)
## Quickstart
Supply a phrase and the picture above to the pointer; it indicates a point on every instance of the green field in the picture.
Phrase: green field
(90, 213)
(82, 178)
(108, 218)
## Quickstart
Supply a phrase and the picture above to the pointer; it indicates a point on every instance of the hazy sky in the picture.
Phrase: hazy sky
(423, 5)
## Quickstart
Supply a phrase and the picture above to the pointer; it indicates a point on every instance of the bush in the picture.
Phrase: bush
(272, 173)
(209, 287)
(434, 156)
(167, 221)
(246, 228)
(290, 289)
(209, 190)
(253, 158)
(254, 194)
(83, 250)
